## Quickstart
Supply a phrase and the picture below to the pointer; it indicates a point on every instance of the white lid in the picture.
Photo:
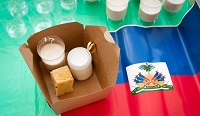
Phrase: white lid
(176, 1)
(79, 58)
(117, 2)
(152, 3)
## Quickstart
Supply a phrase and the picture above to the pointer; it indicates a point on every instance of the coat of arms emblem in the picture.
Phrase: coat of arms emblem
(145, 77)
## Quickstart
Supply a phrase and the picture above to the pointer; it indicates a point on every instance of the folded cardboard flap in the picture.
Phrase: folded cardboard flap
(34, 67)
(106, 55)
(108, 37)
(105, 65)
(69, 104)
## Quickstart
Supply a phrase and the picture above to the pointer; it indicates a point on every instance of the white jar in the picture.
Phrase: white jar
(80, 63)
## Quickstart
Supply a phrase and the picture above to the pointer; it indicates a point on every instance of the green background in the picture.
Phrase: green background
(20, 94)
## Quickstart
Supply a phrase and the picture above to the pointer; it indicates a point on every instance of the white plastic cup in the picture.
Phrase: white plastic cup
(69, 5)
(116, 9)
(150, 9)
(44, 6)
(173, 5)
(15, 28)
(80, 63)
(51, 49)
(17, 8)
(64, 11)
(38, 21)
(14, 24)
(62, 19)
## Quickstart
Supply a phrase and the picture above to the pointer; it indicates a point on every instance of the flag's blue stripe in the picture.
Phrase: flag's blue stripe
(178, 46)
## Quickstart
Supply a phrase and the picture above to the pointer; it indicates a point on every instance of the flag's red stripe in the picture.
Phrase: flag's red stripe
(184, 100)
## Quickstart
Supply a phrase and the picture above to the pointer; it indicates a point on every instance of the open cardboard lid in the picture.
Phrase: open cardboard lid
(105, 61)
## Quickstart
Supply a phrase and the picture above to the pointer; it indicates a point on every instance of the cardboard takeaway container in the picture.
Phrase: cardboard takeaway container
(105, 64)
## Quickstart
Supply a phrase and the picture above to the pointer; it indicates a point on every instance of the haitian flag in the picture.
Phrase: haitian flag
(179, 47)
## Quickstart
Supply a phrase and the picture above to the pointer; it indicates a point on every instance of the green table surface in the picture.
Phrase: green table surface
(20, 93)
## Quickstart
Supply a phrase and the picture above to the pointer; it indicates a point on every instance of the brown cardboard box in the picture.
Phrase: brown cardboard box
(105, 65)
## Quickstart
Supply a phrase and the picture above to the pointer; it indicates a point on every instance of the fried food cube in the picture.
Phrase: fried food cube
(62, 80)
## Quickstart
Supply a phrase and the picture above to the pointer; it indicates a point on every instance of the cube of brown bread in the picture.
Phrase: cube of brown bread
(62, 80)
